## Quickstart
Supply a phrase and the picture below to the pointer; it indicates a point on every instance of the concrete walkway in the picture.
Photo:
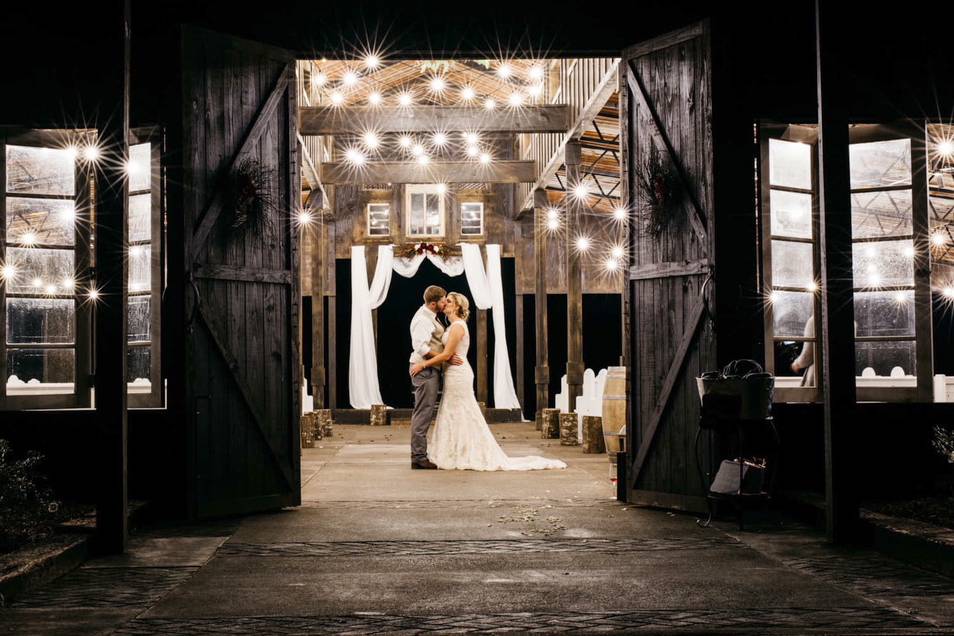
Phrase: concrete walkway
(379, 548)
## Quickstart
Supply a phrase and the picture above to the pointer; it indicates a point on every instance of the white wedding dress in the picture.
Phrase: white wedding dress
(461, 438)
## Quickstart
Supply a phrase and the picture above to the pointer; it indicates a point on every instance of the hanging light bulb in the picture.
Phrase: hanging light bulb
(536, 72)
(355, 157)
(68, 213)
(812, 286)
(774, 297)
(72, 152)
(350, 78)
(580, 191)
(417, 150)
(319, 79)
(375, 98)
(619, 214)
(504, 71)
(489, 104)
(372, 61)
(405, 141)
(472, 138)
(439, 139)
(617, 252)
(485, 158)
(93, 294)
(304, 218)
(405, 99)
(68, 283)
(583, 243)
(938, 239)
(611, 264)
(946, 148)
(515, 100)
(468, 93)
(28, 239)
(337, 98)
(423, 160)
(37, 282)
(472, 151)
(135, 251)
(370, 140)
(91, 153)
(442, 189)
(948, 292)
(9, 272)
(535, 90)
(437, 84)
(900, 297)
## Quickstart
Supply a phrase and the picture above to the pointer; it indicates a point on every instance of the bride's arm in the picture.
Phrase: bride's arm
(456, 333)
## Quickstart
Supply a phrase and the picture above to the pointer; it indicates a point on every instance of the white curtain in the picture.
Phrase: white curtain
(487, 288)
(485, 285)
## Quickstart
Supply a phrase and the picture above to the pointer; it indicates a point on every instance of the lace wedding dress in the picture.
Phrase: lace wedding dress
(461, 438)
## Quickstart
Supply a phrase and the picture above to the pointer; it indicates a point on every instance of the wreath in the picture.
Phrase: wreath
(660, 192)
(250, 197)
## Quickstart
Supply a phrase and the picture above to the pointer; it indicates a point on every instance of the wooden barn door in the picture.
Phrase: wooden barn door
(666, 112)
(241, 297)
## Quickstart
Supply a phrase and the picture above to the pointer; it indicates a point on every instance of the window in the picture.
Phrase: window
(471, 218)
(45, 272)
(892, 302)
(425, 210)
(379, 219)
(145, 276)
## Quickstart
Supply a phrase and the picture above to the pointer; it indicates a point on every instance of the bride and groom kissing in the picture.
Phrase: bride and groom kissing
(460, 437)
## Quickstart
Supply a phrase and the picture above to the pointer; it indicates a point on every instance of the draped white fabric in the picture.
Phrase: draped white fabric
(486, 286)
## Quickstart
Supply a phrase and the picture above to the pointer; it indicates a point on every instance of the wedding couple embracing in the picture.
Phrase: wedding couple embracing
(460, 438)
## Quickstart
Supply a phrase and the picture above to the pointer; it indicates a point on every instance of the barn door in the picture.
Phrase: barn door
(666, 112)
(241, 275)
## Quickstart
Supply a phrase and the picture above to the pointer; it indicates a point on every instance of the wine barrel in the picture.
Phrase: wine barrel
(614, 409)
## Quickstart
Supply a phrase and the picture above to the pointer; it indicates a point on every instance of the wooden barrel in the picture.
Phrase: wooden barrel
(593, 434)
(569, 425)
(551, 424)
(614, 409)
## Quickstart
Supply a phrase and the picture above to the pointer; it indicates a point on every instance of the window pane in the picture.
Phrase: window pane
(790, 164)
(881, 213)
(40, 171)
(41, 271)
(379, 218)
(139, 267)
(884, 313)
(140, 167)
(882, 357)
(40, 320)
(883, 263)
(139, 323)
(791, 264)
(33, 366)
(140, 217)
(791, 214)
(880, 163)
(790, 312)
(786, 352)
(44, 221)
(138, 365)
(471, 219)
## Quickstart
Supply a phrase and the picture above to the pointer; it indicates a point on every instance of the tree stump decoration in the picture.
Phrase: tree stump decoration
(593, 434)
(323, 422)
(569, 422)
(307, 431)
(550, 427)
(380, 415)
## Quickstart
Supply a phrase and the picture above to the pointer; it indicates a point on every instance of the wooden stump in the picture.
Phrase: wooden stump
(568, 427)
(380, 415)
(593, 434)
(323, 422)
(307, 431)
(550, 427)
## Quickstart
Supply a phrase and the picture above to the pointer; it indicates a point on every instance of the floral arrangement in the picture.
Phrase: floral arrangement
(415, 249)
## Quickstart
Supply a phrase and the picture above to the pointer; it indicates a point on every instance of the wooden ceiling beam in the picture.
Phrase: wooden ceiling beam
(508, 171)
(324, 120)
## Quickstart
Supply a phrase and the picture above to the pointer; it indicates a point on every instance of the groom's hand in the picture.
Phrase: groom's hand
(456, 360)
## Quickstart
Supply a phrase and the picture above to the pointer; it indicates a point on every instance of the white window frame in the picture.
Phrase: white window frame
(425, 189)
(387, 209)
(482, 217)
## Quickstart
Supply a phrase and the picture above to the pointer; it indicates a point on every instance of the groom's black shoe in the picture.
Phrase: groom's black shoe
(425, 464)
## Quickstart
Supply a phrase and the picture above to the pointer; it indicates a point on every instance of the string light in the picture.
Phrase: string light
(91, 152)
(405, 99)
(515, 99)
(9, 272)
(485, 158)
(68, 283)
(355, 157)
(72, 152)
(442, 189)
(617, 252)
(437, 84)
(135, 251)
(489, 104)
(945, 148)
(535, 73)
(37, 282)
(372, 61)
(423, 160)
(583, 243)
(439, 139)
(948, 292)
(68, 213)
(553, 219)
(611, 264)
(504, 71)
(50, 289)
(337, 98)
(909, 251)
(938, 239)
(900, 297)
(472, 151)
(535, 90)
(304, 218)
(319, 79)
(471, 138)
(375, 98)
(28, 239)
(350, 78)
(620, 214)
(580, 191)
(405, 141)
(468, 93)
(370, 140)
(93, 294)
(774, 297)
(417, 150)
(812, 286)
(874, 279)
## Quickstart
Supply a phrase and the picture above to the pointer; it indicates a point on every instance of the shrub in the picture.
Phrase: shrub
(28, 508)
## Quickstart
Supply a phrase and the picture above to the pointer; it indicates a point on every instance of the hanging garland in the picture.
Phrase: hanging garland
(410, 250)
(660, 192)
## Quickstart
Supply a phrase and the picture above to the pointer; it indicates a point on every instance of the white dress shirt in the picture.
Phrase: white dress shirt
(424, 324)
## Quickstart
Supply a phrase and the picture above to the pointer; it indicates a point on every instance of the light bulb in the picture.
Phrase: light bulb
(93, 294)
(50, 289)
(439, 139)
(372, 61)
(617, 252)
(619, 214)
(405, 99)
(900, 297)
(37, 282)
(370, 140)
(68, 283)
(9, 272)
(68, 213)
(375, 98)
(938, 239)
(489, 104)
(319, 79)
(874, 279)
(471, 138)
(437, 84)
(553, 224)
(583, 243)
(28, 238)
(350, 78)
(405, 141)
(485, 158)
(355, 157)
(467, 93)
(417, 150)
(535, 73)
(774, 297)
(535, 90)
(812, 286)
(515, 99)
(504, 70)
(135, 251)
(304, 218)
(91, 152)
(948, 292)
(337, 98)
(72, 152)
(442, 189)
(580, 191)
(473, 151)
(611, 264)
(946, 148)
(423, 160)
(909, 251)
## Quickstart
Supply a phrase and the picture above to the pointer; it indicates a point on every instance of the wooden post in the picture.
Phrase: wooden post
(482, 355)
(542, 373)
(574, 280)
(111, 315)
(520, 349)
(836, 327)
(317, 235)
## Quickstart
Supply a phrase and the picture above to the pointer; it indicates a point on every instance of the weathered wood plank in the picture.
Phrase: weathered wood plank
(331, 120)
(574, 281)
(668, 270)
(540, 241)
(246, 274)
(498, 171)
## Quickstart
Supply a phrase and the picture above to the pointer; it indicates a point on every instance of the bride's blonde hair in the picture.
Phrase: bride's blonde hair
(463, 305)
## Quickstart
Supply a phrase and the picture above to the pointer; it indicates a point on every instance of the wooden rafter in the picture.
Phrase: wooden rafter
(529, 119)
(502, 171)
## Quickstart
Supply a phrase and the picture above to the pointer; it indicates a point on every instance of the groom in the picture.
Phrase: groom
(426, 340)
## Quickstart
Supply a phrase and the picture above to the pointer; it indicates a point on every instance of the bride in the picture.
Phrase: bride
(461, 439)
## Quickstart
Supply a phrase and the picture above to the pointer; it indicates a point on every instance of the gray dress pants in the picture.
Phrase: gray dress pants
(427, 385)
